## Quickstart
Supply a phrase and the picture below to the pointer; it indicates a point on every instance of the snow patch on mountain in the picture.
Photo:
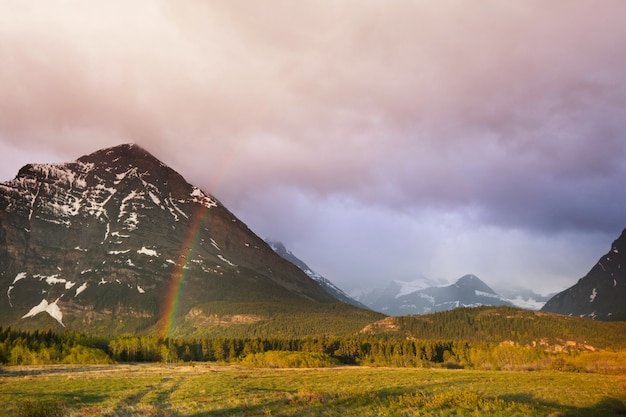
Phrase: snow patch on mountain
(51, 308)
(148, 252)
(427, 297)
(487, 294)
(80, 289)
(526, 303)
(19, 276)
(9, 294)
(50, 279)
(118, 252)
(524, 298)
(155, 199)
(409, 287)
(226, 260)
(198, 196)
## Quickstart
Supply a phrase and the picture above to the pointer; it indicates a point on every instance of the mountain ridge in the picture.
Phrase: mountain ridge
(398, 300)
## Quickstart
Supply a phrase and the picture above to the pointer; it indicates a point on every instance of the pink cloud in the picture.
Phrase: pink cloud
(511, 109)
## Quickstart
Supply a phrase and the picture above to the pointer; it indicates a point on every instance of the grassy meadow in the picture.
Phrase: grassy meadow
(210, 389)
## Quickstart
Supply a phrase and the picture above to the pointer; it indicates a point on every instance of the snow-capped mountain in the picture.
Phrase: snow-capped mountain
(331, 288)
(117, 241)
(601, 294)
(524, 298)
(409, 287)
(420, 297)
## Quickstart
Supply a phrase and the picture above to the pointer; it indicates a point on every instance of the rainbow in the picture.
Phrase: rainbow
(169, 313)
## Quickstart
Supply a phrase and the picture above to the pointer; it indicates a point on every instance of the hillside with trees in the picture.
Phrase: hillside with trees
(505, 324)
(480, 338)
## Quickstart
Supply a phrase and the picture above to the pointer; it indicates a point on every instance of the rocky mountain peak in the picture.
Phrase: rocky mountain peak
(126, 151)
(131, 160)
(123, 157)
(473, 283)
(279, 247)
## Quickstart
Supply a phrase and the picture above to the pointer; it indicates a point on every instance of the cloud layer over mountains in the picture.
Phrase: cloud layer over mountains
(378, 141)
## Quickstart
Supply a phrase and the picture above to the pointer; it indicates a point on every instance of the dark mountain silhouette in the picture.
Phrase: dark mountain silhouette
(601, 294)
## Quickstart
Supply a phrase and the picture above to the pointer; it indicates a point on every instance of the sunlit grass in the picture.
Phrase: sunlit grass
(214, 390)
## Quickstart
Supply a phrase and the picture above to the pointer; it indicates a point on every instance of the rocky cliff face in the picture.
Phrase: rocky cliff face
(601, 294)
(104, 242)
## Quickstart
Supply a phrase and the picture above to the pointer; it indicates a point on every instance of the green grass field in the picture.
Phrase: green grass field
(156, 390)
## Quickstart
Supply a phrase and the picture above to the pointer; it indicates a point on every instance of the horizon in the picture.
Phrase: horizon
(377, 143)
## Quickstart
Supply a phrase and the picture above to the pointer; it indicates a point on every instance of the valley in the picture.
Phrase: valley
(312, 208)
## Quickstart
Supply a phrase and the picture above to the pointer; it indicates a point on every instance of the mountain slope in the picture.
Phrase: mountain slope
(467, 291)
(601, 294)
(117, 242)
(328, 286)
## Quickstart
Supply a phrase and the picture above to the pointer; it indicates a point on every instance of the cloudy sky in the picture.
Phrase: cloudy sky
(378, 140)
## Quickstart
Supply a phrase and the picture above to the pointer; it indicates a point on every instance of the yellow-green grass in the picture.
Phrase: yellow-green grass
(227, 390)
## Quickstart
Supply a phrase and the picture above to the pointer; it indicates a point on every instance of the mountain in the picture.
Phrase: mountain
(600, 294)
(327, 285)
(380, 299)
(420, 297)
(117, 242)
(524, 298)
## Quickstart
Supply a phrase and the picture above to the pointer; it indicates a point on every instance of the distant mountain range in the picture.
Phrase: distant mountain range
(118, 243)
(601, 294)
(421, 296)
(425, 296)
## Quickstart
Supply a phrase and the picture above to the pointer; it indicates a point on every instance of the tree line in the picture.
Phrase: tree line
(355, 350)
(37, 348)
(19, 347)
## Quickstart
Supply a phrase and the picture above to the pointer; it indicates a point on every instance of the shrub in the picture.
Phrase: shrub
(449, 399)
(281, 359)
(41, 409)
(560, 364)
